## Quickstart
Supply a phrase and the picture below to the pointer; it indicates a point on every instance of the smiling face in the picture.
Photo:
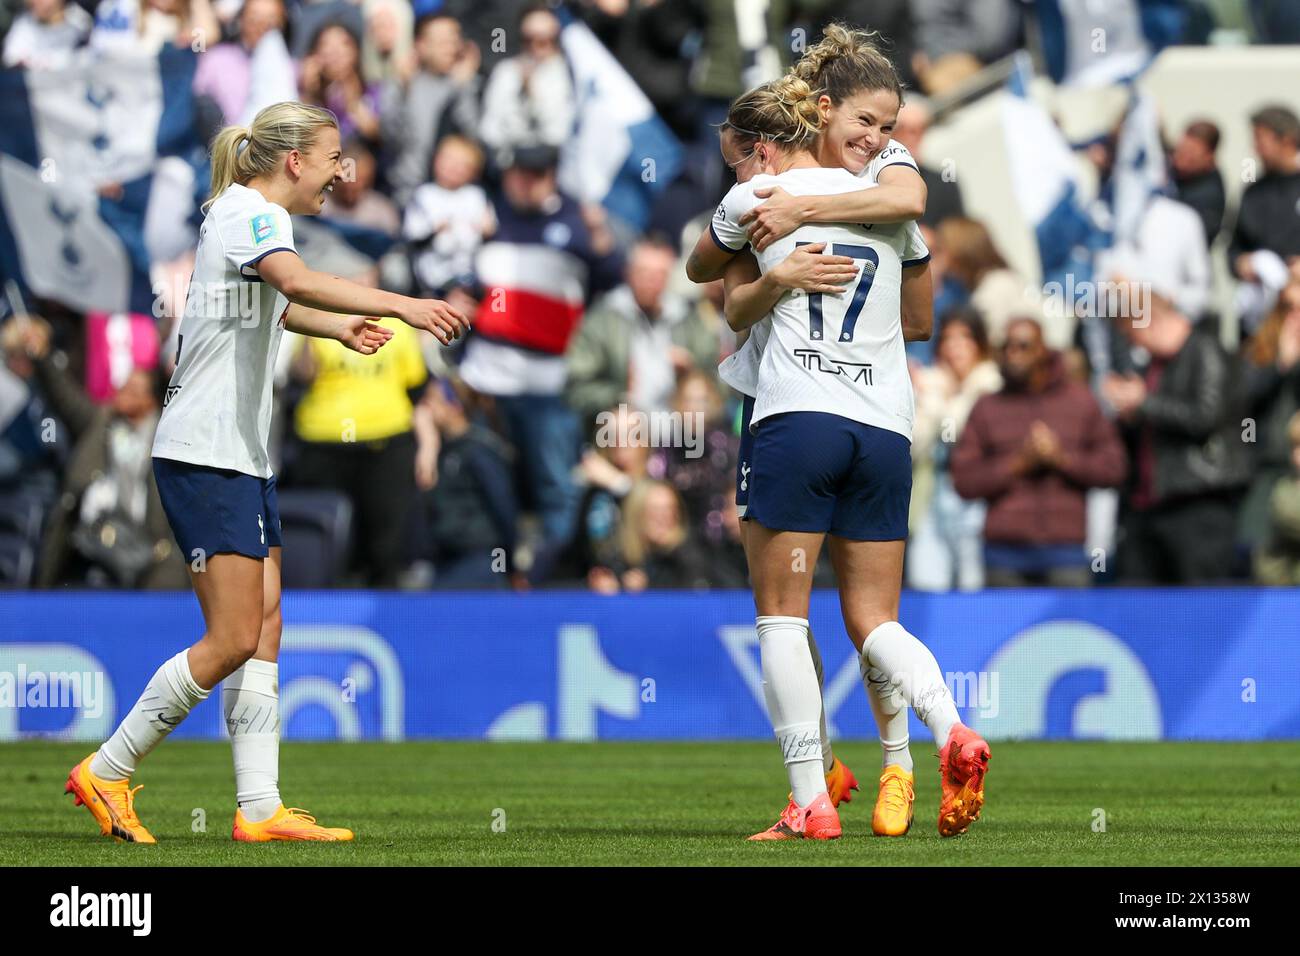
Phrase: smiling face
(857, 128)
(315, 170)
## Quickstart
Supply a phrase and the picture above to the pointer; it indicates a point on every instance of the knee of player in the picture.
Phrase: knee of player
(241, 644)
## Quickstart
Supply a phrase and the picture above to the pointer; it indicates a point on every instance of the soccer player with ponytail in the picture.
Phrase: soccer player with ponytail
(212, 465)
(830, 457)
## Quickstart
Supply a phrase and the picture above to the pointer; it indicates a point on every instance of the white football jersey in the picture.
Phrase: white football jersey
(217, 411)
(842, 355)
(740, 369)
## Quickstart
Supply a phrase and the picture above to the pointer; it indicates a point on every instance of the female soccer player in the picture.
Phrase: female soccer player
(831, 425)
(212, 467)
(858, 97)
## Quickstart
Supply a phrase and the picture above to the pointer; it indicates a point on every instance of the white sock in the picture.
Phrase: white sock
(793, 702)
(890, 711)
(915, 673)
(167, 699)
(828, 757)
(250, 698)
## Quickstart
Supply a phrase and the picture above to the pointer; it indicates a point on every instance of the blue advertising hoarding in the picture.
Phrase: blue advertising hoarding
(1099, 664)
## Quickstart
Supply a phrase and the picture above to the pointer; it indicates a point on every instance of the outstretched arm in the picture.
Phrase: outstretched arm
(357, 332)
(900, 197)
(302, 286)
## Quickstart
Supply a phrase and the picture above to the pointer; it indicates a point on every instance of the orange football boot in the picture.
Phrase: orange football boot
(962, 765)
(817, 821)
(893, 813)
(110, 802)
(840, 783)
(290, 824)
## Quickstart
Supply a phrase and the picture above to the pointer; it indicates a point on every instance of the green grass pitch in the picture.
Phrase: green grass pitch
(669, 804)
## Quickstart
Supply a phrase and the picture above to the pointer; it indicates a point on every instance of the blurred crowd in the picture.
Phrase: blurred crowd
(1129, 446)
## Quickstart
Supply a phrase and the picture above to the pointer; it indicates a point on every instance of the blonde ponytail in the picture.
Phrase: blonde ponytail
(783, 111)
(240, 153)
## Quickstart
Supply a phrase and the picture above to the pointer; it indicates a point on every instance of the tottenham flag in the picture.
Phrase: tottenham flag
(78, 150)
(621, 154)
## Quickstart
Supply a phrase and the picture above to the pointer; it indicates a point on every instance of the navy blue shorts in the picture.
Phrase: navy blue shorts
(745, 457)
(216, 511)
(812, 471)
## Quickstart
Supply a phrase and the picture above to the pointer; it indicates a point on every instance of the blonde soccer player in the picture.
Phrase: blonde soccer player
(858, 94)
(213, 471)
(831, 459)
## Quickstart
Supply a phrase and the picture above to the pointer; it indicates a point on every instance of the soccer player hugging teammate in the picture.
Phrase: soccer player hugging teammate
(212, 467)
(830, 301)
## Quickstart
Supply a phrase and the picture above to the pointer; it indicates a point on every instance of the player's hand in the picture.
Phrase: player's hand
(809, 269)
(362, 334)
(433, 315)
(779, 216)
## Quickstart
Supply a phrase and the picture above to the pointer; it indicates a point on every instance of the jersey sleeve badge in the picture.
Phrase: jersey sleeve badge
(264, 228)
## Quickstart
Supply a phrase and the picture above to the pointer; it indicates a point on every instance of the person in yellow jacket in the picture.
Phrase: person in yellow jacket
(354, 425)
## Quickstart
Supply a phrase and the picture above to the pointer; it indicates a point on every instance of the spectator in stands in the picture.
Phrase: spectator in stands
(1277, 562)
(1272, 392)
(529, 98)
(44, 36)
(108, 525)
(638, 340)
(355, 427)
(440, 97)
(958, 37)
(728, 564)
(466, 522)
(536, 271)
(707, 450)
(331, 77)
(1032, 451)
(606, 475)
(1167, 254)
(386, 43)
(252, 71)
(1189, 458)
(355, 200)
(146, 26)
(943, 196)
(996, 291)
(447, 219)
(656, 548)
(29, 460)
(946, 547)
(725, 68)
(1197, 179)
(1266, 239)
